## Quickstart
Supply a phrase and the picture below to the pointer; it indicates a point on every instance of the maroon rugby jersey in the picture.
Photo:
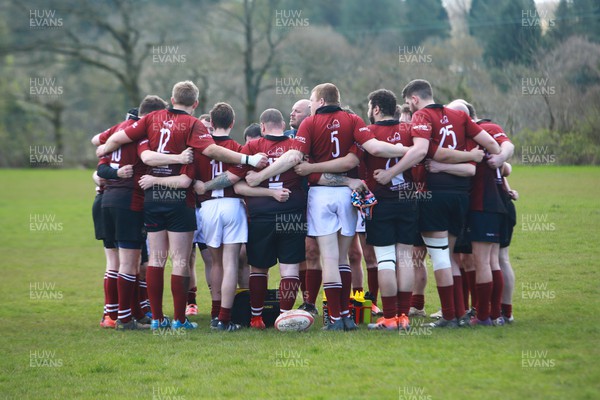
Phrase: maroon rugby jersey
(446, 128)
(164, 194)
(330, 133)
(274, 147)
(394, 132)
(487, 182)
(123, 192)
(170, 132)
(205, 168)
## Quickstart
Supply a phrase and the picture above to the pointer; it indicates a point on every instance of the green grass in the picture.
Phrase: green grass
(468, 363)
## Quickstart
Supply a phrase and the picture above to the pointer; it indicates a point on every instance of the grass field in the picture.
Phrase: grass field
(51, 302)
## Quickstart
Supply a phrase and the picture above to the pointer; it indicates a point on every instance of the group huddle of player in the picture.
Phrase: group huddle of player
(431, 178)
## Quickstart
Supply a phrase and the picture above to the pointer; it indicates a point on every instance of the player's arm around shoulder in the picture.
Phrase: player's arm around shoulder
(413, 156)
(288, 160)
(225, 155)
(379, 148)
(222, 181)
(486, 140)
(154, 159)
(451, 156)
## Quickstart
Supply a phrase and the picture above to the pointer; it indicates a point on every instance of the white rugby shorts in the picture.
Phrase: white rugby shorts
(329, 210)
(224, 221)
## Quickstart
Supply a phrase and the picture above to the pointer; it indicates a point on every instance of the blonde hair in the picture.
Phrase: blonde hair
(185, 93)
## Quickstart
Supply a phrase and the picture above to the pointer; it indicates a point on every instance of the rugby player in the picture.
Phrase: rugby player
(300, 110)
(277, 222)
(111, 299)
(123, 218)
(224, 222)
(392, 227)
(486, 212)
(310, 269)
(252, 132)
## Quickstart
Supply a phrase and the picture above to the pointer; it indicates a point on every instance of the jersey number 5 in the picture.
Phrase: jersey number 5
(336, 141)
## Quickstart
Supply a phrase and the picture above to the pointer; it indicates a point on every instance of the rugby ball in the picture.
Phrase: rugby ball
(294, 320)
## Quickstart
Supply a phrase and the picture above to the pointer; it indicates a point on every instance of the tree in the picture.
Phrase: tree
(482, 19)
(575, 17)
(109, 36)
(512, 33)
(253, 25)
(424, 19)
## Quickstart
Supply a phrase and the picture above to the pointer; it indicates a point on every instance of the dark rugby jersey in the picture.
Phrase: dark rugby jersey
(394, 132)
(160, 193)
(487, 183)
(124, 192)
(205, 168)
(261, 207)
(446, 128)
(169, 132)
(330, 133)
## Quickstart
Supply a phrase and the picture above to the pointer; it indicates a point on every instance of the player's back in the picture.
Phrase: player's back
(274, 147)
(393, 132)
(486, 184)
(328, 135)
(449, 128)
(205, 168)
(168, 131)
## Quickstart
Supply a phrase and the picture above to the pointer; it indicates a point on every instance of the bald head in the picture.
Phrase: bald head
(470, 108)
(459, 106)
(300, 111)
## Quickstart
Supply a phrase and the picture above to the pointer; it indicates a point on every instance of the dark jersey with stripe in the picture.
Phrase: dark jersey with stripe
(487, 182)
(267, 207)
(205, 168)
(124, 192)
(394, 132)
(446, 128)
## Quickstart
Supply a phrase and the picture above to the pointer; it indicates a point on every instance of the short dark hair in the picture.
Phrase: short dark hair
(385, 100)
(151, 103)
(252, 131)
(271, 116)
(472, 112)
(401, 109)
(420, 87)
(222, 115)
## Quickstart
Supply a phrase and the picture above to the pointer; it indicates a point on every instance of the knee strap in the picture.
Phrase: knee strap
(386, 257)
(439, 252)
